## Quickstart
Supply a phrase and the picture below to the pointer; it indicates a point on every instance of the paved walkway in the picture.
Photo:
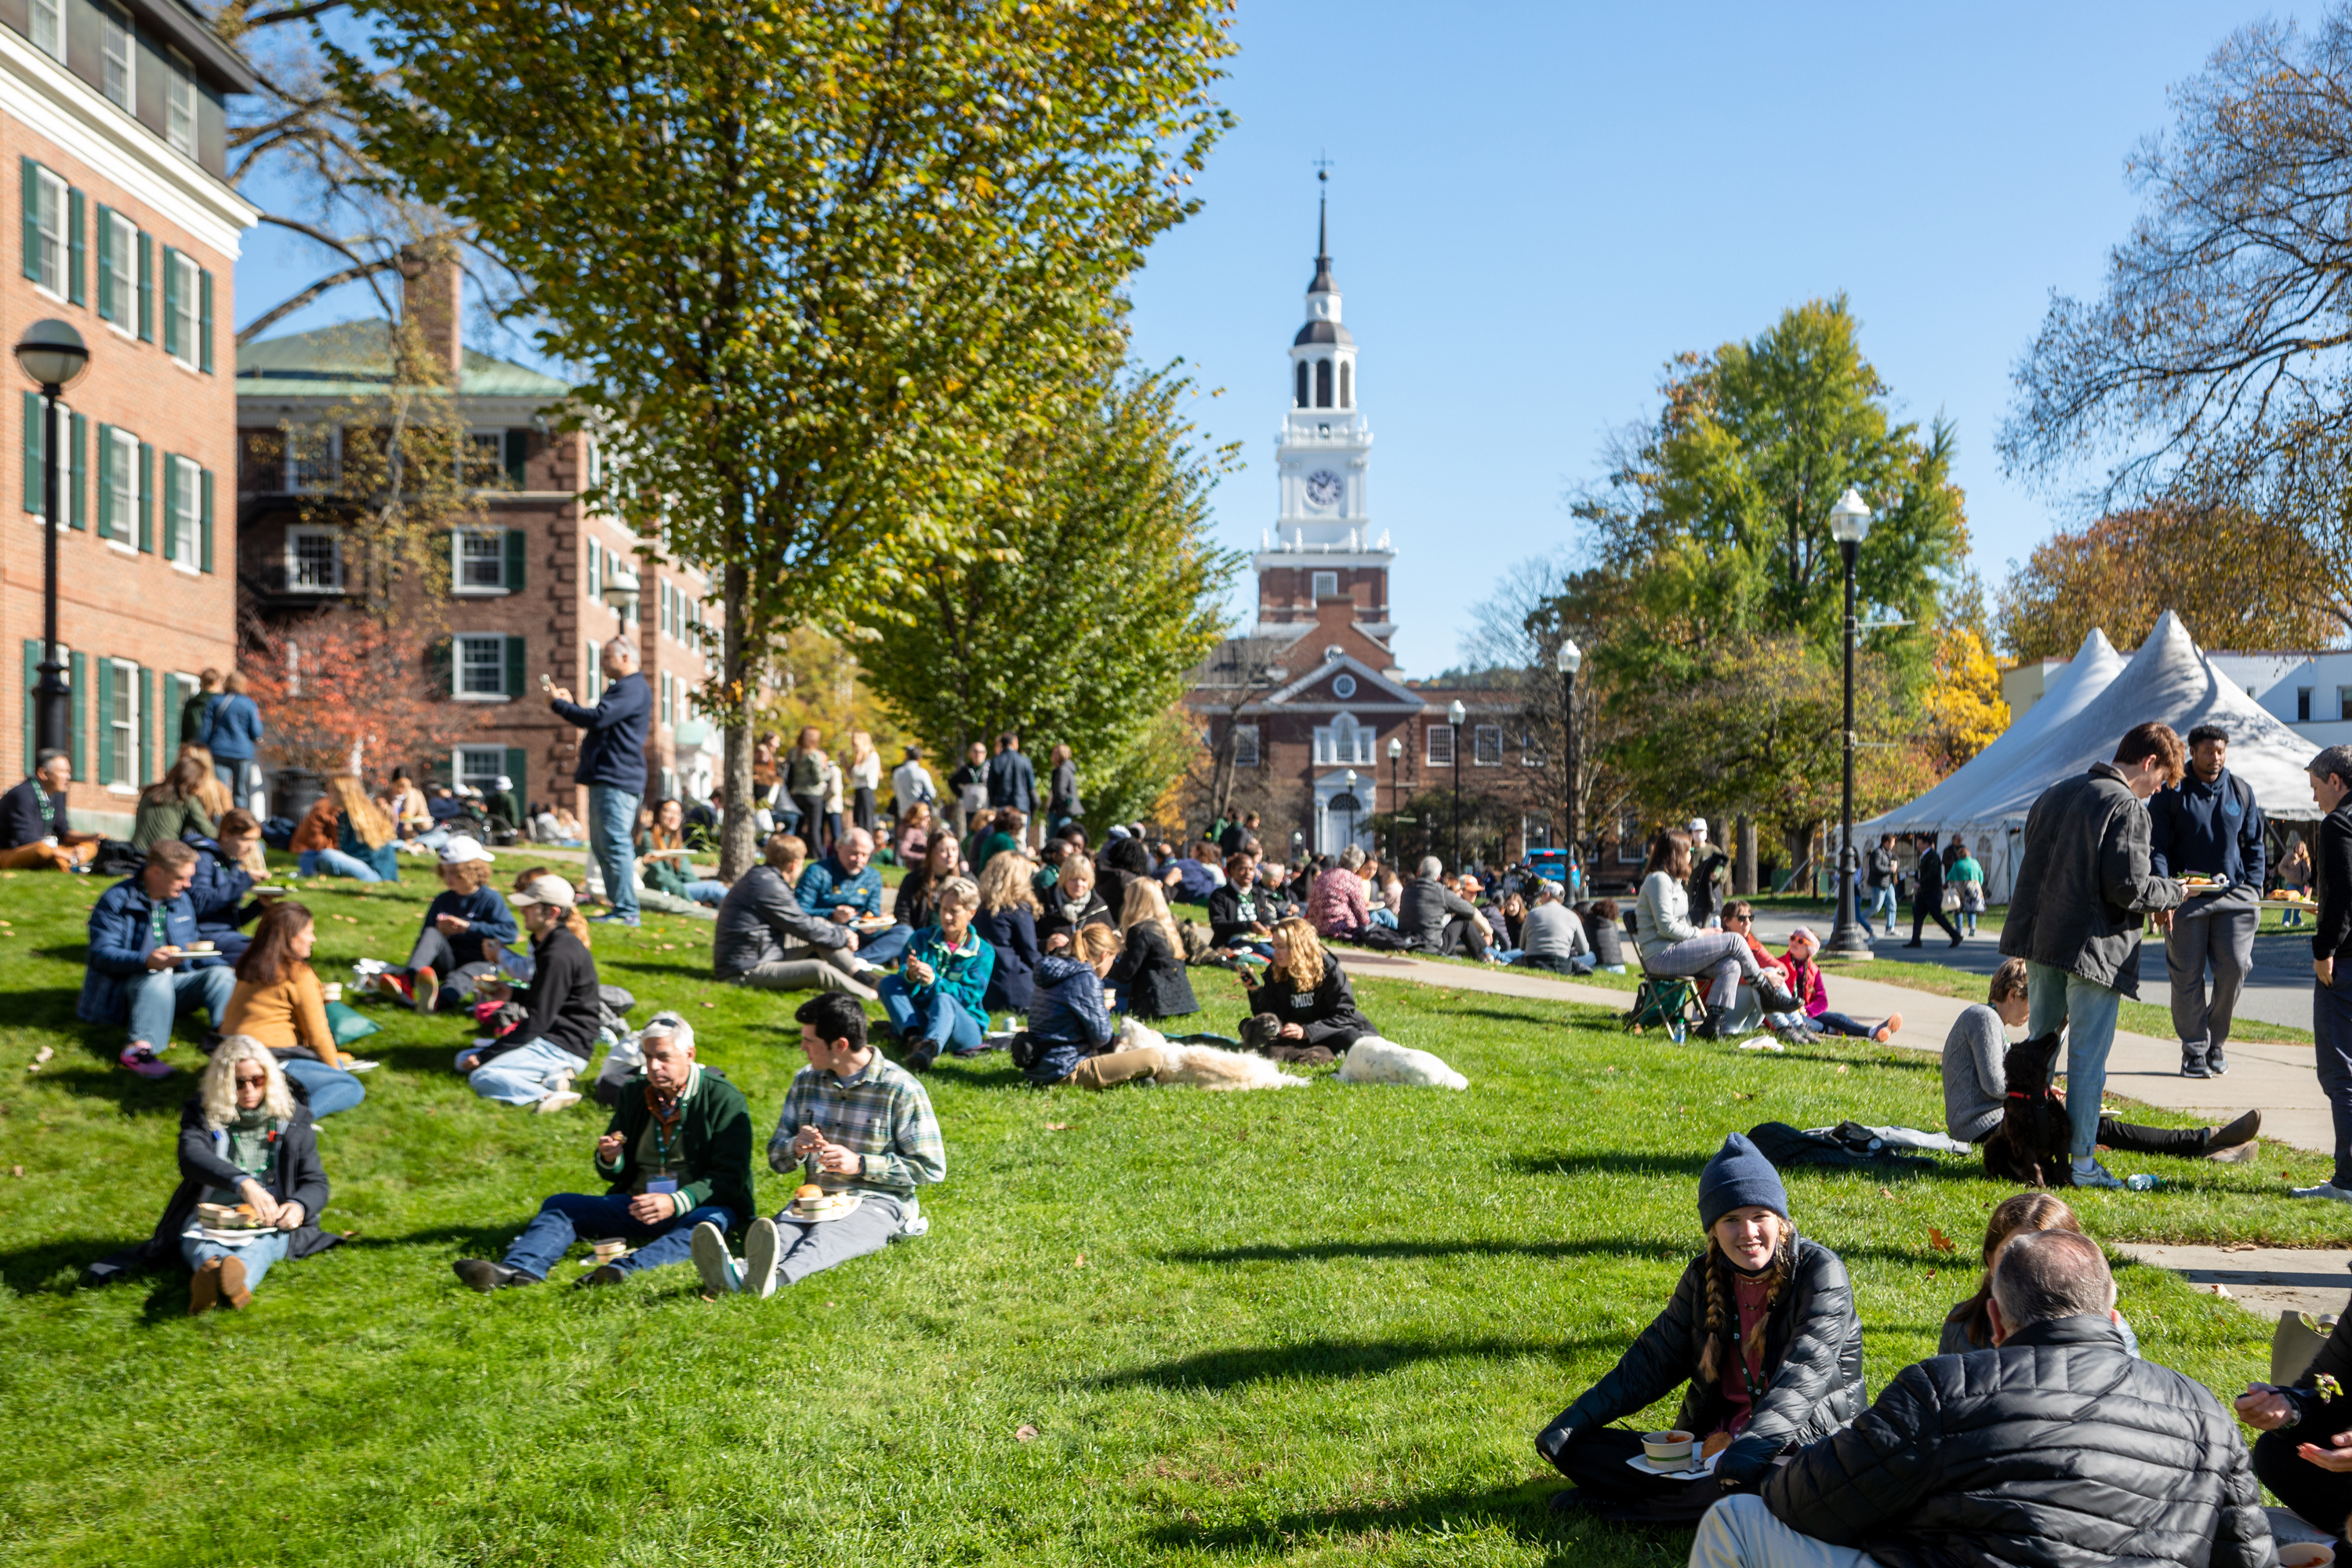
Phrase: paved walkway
(2264, 1281)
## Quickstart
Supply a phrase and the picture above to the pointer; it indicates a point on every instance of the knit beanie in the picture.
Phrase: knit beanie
(1739, 1177)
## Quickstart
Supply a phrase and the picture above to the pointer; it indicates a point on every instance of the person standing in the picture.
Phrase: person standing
(910, 784)
(2209, 826)
(2084, 885)
(1710, 869)
(968, 789)
(613, 766)
(1011, 780)
(233, 733)
(1880, 881)
(2295, 874)
(1964, 872)
(1928, 894)
(2331, 959)
(1062, 790)
(804, 776)
(865, 777)
(196, 713)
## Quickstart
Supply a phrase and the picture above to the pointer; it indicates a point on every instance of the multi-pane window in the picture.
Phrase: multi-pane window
(2343, 702)
(118, 51)
(118, 245)
(1631, 850)
(1487, 746)
(49, 27)
(314, 561)
(481, 767)
(118, 478)
(2302, 704)
(1245, 746)
(1343, 743)
(592, 683)
(182, 521)
(314, 456)
(47, 263)
(482, 667)
(481, 560)
(668, 698)
(1324, 585)
(122, 726)
(180, 109)
(1440, 752)
(180, 307)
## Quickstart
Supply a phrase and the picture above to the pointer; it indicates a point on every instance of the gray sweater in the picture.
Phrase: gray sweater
(1975, 1084)
(759, 919)
(1662, 915)
(1553, 930)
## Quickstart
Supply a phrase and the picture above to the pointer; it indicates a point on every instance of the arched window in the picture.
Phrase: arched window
(1322, 383)
(1302, 383)
(1347, 384)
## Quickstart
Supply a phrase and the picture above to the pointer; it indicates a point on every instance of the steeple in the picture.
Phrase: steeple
(1323, 284)
(1322, 294)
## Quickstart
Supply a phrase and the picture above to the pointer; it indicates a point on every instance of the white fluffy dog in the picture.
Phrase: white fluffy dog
(1373, 1059)
(1204, 1067)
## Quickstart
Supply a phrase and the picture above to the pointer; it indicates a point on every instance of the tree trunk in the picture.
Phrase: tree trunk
(1744, 876)
(737, 853)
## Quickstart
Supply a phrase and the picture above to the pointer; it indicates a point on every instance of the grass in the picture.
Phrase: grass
(1318, 1326)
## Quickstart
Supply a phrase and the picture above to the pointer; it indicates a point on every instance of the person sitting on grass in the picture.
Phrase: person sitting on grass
(224, 876)
(854, 1122)
(1813, 992)
(141, 971)
(1337, 901)
(1603, 923)
(1149, 978)
(1306, 996)
(278, 1002)
(1976, 1081)
(2305, 1452)
(1672, 948)
(1969, 1326)
(1007, 921)
(1073, 902)
(1070, 1032)
(1551, 937)
(347, 835)
(765, 940)
(466, 912)
(844, 888)
(169, 808)
(2053, 1446)
(1762, 1331)
(937, 1001)
(35, 833)
(534, 1062)
(1237, 917)
(676, 1155)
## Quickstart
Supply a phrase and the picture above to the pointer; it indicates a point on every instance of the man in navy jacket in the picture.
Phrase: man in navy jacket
(140, 969)
(232, 732)
(2209, 826)
(1011, 780)
(613, 766)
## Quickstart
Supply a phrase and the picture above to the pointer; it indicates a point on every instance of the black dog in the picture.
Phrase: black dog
(2031, 1143)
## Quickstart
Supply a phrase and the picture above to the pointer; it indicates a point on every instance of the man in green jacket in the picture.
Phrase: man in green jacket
(677, 1153)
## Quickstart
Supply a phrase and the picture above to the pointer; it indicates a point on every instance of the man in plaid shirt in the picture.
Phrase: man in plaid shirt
(867, 1126)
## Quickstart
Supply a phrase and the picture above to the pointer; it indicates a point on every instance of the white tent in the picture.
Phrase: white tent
(2167, 680)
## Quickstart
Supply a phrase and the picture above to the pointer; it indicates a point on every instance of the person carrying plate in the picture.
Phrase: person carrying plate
(677, 1155)
(844, 888)
(861, 1127)
(2208, 831)
(1761, 1329)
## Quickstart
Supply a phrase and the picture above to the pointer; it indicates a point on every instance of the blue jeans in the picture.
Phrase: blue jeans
(612, 829)
(335, 863)
(888, 948)
(705, 891)
(243, 778)
(160, 996)
(2056, 1000)
(523, 1076)
(939, 1017)
(1882, 896)
(256, 1255)
(329, 1088)
(570, 1216)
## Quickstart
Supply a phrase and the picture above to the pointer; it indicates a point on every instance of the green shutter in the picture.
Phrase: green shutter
(31, 191)
(172, 343)
(438, 657)
(78, 684)
(77, 252)
(77, 504)
(146, 499)
(106, 758)
(515, 662)
(108, 306)
(171, 505)
(32, 676)
(105, 491)
(517, 446)
(36, 493)
(149, 721)
(517, 765)
(517, 547)
(146, 287)
(204, 320)
(204, 520)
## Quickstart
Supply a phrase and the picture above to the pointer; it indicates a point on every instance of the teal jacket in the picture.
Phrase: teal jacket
(962, 975)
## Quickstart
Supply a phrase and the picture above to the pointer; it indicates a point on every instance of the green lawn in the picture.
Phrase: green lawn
(1318, 1325)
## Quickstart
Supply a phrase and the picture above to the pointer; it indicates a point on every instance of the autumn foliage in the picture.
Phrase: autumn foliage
(341, 693)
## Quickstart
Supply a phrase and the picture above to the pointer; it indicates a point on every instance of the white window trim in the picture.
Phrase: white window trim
(191, 306)
(126, 753)
(1478, 734)
(1255, 756)
(294, 561)
(1315, 585)
(1429, 746)
(191, 541)
(459, 774)
(112, 19)
(56, 11)
(458, 642)
(126, 278)
(182, 81)
(457, 583)
(126, 508)
(53, 209)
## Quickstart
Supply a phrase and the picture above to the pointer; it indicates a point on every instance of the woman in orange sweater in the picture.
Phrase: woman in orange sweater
(278, 1002)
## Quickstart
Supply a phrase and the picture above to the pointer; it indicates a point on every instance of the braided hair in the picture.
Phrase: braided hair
(1722, 1325)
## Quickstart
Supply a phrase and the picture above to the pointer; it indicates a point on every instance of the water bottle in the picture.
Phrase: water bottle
(2143, 1184)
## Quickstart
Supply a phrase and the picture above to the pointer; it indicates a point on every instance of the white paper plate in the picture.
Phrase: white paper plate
(843, 1212)
(1705, 1467)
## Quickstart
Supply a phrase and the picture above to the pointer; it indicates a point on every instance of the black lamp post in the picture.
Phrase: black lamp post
(1455, 714)
(1849, 525)
(1396, 806)
(54, 355)
(1571, 659)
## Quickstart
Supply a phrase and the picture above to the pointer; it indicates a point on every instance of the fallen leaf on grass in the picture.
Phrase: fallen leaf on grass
(2223, 1291)
(16, 1170)
(1938, 1240)
(1057, 1127)
(1931, 1274)
(1736, 1095)
(1081, 1263)
(1841, 1067)
(710, 1004)
(1884, 1193)
(1027, 1434)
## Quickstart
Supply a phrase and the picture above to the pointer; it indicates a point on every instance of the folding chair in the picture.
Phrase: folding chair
(1672, 1003)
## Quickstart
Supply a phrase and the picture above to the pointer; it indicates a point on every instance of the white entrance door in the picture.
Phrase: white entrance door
(1344, 815)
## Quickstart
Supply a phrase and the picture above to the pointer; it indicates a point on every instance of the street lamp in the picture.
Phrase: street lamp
(1351, 787)
(1455, 714)
(54, 355)
(622, 588)
(1569, 659)
(1849, 525)
(1396, 806)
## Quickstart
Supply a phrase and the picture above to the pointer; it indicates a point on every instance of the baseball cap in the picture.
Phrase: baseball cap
(1698, 825)
(504, 782)
(463, 847)
(547, 891)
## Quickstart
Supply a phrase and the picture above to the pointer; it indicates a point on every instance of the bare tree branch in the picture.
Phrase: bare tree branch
(285, 308)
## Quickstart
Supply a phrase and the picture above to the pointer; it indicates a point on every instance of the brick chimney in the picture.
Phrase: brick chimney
(432, 299)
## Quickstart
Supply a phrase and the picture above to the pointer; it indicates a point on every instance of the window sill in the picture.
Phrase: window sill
(480, 593)
(123, 789)
(482, 697)
(183, 566)
(130, 550)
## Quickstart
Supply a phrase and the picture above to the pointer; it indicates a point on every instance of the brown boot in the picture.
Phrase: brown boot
(232, 1283)
(203, 1291)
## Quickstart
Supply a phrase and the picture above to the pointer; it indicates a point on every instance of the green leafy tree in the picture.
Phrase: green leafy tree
(816, 268)
(1093, 590)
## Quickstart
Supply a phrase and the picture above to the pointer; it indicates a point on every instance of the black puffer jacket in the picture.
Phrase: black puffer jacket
(1813, 1368)
(2055, 1450)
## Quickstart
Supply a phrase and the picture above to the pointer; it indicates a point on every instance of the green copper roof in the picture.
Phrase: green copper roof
(354, 360)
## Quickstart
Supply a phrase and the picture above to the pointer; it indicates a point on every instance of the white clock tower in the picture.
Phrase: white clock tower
(1323, 546)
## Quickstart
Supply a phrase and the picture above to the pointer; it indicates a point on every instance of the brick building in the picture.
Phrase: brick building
(1311, 692)
(538, 581)
(112, 117)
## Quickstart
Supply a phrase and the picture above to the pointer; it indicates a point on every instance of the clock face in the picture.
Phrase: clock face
(1323, 487)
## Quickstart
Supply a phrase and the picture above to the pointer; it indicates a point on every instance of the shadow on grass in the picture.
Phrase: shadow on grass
(1521, 1509)
(1321, 1251)
(1324, 1359)
(1610, 1162)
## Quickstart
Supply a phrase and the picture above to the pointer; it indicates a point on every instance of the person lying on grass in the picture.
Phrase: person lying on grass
(462, 916)
(937, 1000)
(1976, 1081)
(533, 1063)
(859, 1131)
(1805, 979)
(141, 971)
(1969, 1326)
(677, 1155)
(1763, 1331)
(1306, 994)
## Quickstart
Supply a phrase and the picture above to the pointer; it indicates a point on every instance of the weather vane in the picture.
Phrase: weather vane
(1322, 167)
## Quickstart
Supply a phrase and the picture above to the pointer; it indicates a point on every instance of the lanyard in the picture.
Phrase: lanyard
(48, 805)
(666, 1130)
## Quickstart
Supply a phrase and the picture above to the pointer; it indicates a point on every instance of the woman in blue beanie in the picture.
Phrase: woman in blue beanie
(1762, 1331)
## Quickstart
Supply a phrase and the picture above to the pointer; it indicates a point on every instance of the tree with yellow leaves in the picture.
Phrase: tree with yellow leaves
(1963, 710)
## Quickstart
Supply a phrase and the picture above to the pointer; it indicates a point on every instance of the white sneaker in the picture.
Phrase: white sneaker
(711, 1261)
(761, 1244)
(2325, 1189)
(563, 1100)
(2089, 1173)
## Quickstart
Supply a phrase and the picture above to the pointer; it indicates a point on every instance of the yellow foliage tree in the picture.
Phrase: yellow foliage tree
(1963, 710)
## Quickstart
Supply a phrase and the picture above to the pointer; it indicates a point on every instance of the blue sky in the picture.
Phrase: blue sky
(1534, 205)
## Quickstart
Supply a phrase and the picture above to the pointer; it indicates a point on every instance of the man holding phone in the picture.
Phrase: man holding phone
(677, 1155)
(613, 766)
